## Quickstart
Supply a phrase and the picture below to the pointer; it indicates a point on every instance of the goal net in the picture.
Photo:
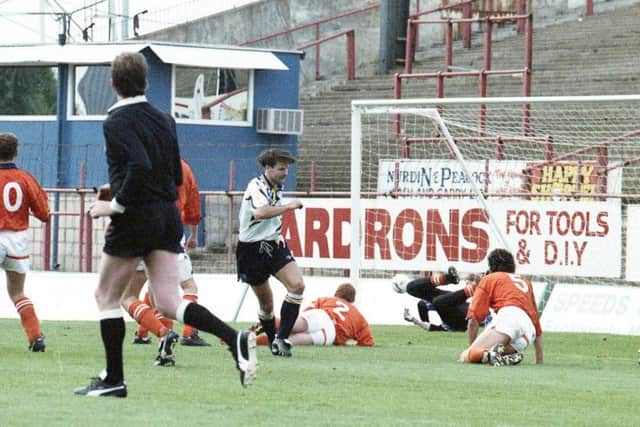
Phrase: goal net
(440, 182)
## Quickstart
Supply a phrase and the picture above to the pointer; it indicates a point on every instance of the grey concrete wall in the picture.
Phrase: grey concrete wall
(268, 16)
(217, 221)
(550, 11)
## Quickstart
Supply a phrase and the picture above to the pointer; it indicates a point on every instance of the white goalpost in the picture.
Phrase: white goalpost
(439, 182)
(451, 144)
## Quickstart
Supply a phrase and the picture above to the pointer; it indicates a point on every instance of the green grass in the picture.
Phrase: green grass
(410, 378)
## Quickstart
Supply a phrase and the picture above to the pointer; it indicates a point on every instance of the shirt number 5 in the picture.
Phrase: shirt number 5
(519, 282)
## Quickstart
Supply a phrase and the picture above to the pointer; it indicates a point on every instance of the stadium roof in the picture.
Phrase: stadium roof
(179, 54)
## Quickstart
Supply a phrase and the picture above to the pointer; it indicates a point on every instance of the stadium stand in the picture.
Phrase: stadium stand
(586, 56)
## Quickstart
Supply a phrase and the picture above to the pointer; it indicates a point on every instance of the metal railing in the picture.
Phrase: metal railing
(55, 234)
(72, 240)
(412, 40)
(466, 9)
(319, 39)
(350, 48)
(483, 73)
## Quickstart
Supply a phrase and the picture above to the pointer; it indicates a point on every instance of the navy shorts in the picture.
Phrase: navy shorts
(259, 260)
(142, 229)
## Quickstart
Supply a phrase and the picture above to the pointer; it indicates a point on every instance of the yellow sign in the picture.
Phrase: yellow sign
(556, 181)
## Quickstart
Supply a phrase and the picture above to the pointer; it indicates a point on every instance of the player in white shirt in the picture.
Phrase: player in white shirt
(262, 251)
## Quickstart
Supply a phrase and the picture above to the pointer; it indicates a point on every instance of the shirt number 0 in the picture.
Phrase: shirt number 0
(6, 199)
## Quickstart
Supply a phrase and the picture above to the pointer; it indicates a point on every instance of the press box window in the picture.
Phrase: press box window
(92, 92)
(212, 94)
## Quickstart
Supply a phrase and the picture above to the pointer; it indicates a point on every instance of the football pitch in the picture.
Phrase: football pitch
(411, 378)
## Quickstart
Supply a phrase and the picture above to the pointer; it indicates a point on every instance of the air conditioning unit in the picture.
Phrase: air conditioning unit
(279, 121)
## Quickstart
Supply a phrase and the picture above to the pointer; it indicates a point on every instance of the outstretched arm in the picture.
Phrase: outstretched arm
(409, 318)
(266, 212)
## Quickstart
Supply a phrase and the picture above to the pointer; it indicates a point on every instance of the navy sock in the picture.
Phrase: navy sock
(269, 326)
(112, 332)
(202, 319)
(288, 315)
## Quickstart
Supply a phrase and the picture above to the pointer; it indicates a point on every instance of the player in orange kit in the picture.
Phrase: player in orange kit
(516, 324)
(188, 204)
(21, 193)
(331, 321)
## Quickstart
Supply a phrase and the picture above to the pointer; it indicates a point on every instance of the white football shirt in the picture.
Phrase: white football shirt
(260, 192)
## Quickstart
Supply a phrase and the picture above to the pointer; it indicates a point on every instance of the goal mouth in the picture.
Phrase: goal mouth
(440, 182)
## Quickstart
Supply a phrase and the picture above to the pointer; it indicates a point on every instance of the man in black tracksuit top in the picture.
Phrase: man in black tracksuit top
(144, 172)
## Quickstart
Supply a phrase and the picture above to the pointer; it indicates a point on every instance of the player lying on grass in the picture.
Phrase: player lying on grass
(451, 306)
(329, 321)
(516, 324)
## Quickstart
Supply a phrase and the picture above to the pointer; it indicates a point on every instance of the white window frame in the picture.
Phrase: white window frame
(71, 94)
(211, 122)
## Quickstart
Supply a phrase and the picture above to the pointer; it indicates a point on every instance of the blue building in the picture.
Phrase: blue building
(229, 103)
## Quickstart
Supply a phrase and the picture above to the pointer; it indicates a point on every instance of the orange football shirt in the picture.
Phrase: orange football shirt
(350, 323)
(188, 202)
(20, 194)
(497, 290)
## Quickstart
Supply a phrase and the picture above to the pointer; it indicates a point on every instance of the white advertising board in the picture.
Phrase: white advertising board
(592, 308)
(448, 176)
(570, 308)
(494, 176)
(633, 243)
(546, 237)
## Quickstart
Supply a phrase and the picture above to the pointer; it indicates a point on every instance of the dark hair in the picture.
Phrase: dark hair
(8, 146)
(273, 156)
(501, 260)
(347, 292)
(129, 74)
